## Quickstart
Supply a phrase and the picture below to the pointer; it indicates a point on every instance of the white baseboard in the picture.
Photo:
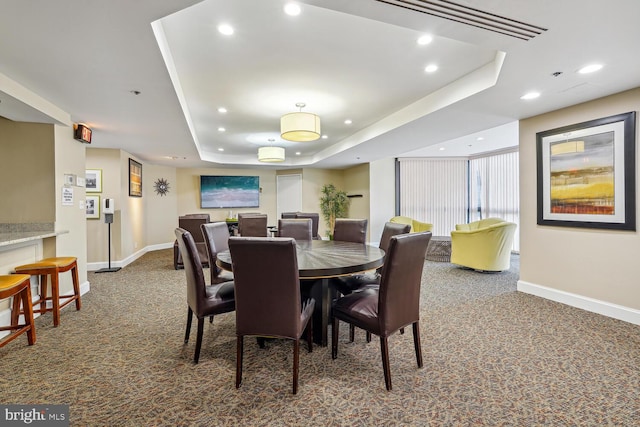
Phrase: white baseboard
(5, 315)
(94, 266)
(608, 309)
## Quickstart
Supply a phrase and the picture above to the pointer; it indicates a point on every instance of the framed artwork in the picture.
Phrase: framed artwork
(135, 179)
(92, 206)
(93, 180)
(586, 174)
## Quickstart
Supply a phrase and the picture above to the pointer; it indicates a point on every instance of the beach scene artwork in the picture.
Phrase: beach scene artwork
(229, 191)
(582, 175)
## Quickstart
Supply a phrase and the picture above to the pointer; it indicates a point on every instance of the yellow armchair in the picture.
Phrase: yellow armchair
(483, 245)
(416, 226)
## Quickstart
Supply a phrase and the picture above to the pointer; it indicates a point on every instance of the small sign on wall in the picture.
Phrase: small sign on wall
(67, 196)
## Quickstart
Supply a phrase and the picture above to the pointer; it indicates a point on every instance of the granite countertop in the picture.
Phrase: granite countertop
(11, 234)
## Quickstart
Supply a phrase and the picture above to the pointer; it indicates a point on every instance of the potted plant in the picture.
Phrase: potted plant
(334, 204)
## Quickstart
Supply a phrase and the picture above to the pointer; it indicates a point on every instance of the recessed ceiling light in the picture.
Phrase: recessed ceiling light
(292, 9)
(441, 148)
(348, 122)
(325, 136)
(480, 138)
(298, 153)
(222, 110)
(426, 39)
(225, 29)
(430, 68)
(221, 129)
(590, 68)
(220, 149)
(530, 95)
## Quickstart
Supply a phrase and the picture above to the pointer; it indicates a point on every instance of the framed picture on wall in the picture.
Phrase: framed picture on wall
(135, 178)
(92, 205)
(587, 174)
(93, 180)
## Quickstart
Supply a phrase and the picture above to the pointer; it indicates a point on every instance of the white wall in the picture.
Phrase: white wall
(382, 190)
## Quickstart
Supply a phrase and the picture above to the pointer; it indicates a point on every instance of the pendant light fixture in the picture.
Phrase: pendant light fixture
(300, 126)
(271, 154)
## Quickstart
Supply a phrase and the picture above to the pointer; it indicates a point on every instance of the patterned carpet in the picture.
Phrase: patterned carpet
(492, 356)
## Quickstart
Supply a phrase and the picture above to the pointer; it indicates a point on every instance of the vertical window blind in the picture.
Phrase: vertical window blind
(446, 192)
(434, 191)
(494, 189)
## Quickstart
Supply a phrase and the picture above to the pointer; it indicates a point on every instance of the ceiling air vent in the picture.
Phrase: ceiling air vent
(470, 16)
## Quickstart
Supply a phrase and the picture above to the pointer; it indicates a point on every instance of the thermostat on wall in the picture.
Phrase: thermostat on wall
(69, 179)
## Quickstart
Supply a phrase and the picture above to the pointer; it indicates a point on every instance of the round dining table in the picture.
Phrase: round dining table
(321, 260)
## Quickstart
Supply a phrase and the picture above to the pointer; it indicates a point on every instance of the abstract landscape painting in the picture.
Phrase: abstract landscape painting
(586, 174)
(582, 175)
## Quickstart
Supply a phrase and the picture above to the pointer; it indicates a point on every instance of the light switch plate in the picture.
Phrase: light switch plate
(80, 181)
(68, 179)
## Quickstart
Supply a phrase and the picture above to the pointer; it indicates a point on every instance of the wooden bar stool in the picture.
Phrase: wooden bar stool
(18, 286)
(53, 267)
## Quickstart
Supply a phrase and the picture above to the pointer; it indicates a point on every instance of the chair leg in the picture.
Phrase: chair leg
(28, 315)
(199, 339)
(296, 364)
(43, 293)
(189, 318)
(401, 331)
(310, 335)
(76, 285)
(368, 336)
(239, 354)
(55, 295)
(416, 343)
(15, 310)
(334, 338)
(260, 341)
(352, 333)
(210, 319)
(384, 349)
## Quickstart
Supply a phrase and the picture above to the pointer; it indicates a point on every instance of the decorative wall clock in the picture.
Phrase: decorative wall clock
(161, 186)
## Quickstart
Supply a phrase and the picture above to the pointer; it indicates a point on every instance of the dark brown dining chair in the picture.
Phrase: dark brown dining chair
(202, 300)
(268, 302)
(285, 215)
(299, 229)
(315, 220)
(348, 284)
(350, 230)
(394, 305)
(216, 239)
(357, 282)
(253, 225)
(191, 223)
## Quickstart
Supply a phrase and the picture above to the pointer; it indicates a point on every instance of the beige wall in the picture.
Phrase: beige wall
(27, 186)
(161, 211)
(70, 159)
(356, 182)
(312, 182)
(108, 161)
(585, 263)
(188, 185)
(382, 184)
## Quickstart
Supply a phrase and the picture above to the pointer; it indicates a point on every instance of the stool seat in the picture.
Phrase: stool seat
(18, 286)
(59, 262)
(8, 282)
(53, 267)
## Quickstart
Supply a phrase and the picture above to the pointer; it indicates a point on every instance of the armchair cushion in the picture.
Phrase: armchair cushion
(483, 245)
(416, 226)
